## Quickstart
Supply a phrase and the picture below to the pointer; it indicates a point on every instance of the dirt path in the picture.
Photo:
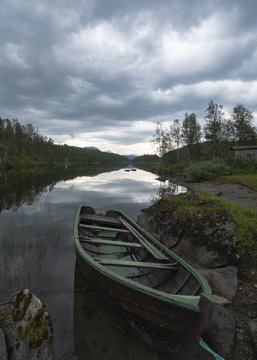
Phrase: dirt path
(236, 193)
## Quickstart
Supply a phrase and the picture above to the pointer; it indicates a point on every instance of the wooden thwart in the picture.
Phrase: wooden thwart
(137, 264)
(97, 227)
(111, 242)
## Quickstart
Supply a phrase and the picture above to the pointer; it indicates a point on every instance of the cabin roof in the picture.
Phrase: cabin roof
(245, 147)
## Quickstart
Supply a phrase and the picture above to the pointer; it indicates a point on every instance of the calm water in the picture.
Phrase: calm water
(37, 218)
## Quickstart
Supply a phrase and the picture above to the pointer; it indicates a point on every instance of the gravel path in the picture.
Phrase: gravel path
(236, 193)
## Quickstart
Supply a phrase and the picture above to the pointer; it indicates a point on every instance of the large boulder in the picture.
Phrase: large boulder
(26, 327)
(201, 232)
(252, 326)
(3, 351)
(220, 332)
(223, 281)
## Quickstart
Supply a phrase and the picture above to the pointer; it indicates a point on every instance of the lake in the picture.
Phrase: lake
(38, 209)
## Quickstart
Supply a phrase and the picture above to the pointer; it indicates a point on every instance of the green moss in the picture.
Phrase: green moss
(191, 208)
(22, 302)
(246, 221)
(37, 330)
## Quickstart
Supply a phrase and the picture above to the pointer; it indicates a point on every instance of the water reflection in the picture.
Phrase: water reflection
(38, 209)
(18, 187)
(168, 188)
(100, 332)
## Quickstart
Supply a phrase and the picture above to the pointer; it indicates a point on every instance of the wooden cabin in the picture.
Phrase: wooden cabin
(246, 150)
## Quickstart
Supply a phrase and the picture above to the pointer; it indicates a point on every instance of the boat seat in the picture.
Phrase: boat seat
(137, 264)
(98, 227)
(110, 242)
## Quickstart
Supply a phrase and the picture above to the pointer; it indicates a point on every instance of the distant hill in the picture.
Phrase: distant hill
(131, 156)
(91, 148)
(145, 162)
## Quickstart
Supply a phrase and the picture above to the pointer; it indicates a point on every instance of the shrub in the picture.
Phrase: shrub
(207, 170)
(243, 164)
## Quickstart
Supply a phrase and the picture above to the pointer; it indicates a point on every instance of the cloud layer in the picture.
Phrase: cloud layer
(102, 73)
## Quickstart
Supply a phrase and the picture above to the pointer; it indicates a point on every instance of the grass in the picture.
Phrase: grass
(249, 180)
(246, 221)
(25, 237)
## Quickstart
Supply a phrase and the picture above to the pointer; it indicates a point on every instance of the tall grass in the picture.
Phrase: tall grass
(26, 236)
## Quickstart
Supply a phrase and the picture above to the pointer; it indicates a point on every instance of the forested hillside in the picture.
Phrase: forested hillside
(23, 145)
(188, 141)
(146, 161)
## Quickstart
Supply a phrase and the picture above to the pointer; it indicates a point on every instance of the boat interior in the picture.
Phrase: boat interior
(117, 245)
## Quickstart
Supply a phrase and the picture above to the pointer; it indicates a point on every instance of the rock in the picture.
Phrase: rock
(200, 255)
(201, 232)
(219, 193)
(252, 326)
(3, 353)
(220, 332)
(27, 327)
(223, 281)
(220, 300)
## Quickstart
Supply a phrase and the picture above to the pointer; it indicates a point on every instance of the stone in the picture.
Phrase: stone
(27, 327)
(252, 326)
(220, 332)
(223, 281)
(220, 300)
(201, 233)
(3, 353)
(204, 236)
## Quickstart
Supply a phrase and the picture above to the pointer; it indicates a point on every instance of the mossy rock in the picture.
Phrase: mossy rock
(27, 326)
(191, 218)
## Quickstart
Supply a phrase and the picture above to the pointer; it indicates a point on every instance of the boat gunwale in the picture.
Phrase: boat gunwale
(189, 302)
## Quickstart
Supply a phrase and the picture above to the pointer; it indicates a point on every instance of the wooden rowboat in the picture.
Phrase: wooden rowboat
(158, 291)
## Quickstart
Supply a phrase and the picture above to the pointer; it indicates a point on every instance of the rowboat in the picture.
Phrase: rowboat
(157, 291)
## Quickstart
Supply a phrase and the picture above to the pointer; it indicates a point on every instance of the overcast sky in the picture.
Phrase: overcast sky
(103, 72)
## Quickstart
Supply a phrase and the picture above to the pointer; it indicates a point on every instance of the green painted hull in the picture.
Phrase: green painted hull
(177, 317)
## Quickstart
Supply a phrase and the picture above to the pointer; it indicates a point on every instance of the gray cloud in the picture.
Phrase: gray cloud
(97, 67)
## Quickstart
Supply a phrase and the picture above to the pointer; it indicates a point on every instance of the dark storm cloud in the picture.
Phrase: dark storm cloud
(116, 67)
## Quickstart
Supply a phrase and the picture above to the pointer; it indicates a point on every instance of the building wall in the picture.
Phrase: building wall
(246, 152)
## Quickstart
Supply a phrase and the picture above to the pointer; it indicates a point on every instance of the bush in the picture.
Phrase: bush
(170, 168)
(243, 165)
(207, 170)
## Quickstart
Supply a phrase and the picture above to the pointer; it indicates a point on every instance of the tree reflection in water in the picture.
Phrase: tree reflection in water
(25, 186)
(168, 188)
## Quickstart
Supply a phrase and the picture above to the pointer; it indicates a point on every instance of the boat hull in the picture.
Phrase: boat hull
(160, 321)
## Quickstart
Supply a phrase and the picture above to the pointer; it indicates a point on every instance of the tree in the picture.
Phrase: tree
(1, 128)
(214, 128)
(162, 140)
(242, 123)
(176, 132)
(191, 131)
